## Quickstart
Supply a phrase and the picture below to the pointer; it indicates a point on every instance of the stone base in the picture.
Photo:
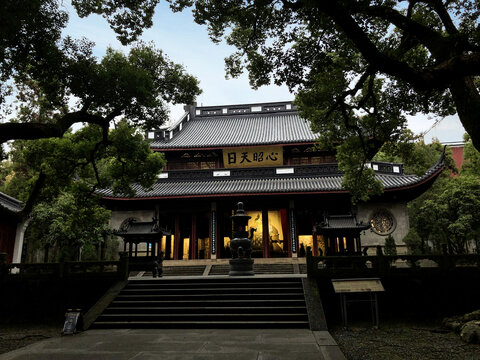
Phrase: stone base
(241, 267)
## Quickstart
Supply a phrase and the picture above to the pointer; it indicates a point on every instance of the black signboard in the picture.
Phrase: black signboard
(73, 322)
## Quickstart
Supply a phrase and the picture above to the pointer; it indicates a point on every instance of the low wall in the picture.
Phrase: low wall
(43, 292)
(26, 300)
(433, 288)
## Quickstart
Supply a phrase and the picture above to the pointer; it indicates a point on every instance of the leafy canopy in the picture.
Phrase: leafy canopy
(47, 71)
(57, 82)
(358, 67)
(448, 215)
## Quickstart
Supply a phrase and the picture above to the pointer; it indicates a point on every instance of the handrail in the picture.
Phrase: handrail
(383, 264)
(66, 269)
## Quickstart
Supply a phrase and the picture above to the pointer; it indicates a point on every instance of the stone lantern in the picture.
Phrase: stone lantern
(241, 262)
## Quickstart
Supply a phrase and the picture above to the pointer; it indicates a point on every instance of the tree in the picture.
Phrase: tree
(46, 70)
(57, 171)
(447, 214)
(414, 242)
(67, 216)
(358, 67)
(68, 223)
(390, 246)
(471, 158)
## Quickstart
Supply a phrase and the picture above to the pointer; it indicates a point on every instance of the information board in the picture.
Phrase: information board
(357, 285)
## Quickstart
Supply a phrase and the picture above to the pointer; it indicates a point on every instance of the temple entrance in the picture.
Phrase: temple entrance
(167, 246)
(255, 232)
(277, 228)
(203, 237)
(266, 230)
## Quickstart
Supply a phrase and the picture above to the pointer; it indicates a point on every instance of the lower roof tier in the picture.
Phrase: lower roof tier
(266, 181)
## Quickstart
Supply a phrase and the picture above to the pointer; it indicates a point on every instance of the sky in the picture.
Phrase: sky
(187, 43)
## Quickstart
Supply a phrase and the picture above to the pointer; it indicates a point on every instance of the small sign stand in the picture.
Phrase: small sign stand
(73, 322)
(370, 286)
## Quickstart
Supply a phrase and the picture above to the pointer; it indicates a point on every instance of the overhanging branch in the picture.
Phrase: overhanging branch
(33, 131)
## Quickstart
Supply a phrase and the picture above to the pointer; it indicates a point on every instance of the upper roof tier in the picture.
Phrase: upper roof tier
(234, 125)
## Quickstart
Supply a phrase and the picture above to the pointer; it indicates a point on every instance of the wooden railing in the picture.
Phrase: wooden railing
(67, 269)
(381, 265)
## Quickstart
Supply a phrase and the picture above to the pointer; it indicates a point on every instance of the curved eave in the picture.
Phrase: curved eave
(412, 191)
(426, 181)
(231, 195)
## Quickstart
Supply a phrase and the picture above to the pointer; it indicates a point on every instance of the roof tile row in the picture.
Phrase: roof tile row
(285, 184)
(240, 130)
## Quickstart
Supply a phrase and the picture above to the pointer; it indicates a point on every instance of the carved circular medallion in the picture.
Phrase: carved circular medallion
(383, 222)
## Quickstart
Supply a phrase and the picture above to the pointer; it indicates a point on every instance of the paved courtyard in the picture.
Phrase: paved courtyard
(170, 344)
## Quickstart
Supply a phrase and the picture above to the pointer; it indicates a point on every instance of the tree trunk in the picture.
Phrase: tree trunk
(467, 102)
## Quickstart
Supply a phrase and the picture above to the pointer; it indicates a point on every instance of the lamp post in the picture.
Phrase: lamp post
(241, 262)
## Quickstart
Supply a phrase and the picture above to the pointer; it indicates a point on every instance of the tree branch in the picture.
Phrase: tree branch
(32, 198)
(33, 131)
(439, 77)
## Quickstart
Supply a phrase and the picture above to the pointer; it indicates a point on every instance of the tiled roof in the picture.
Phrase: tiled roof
(11, 203)
(198, 184)
(240, 130)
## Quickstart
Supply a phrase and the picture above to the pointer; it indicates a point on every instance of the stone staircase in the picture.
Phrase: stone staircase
(208, 303)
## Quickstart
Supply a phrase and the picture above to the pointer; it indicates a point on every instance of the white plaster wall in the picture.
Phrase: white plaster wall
(400, 212)
(119, 216)
(19, 237)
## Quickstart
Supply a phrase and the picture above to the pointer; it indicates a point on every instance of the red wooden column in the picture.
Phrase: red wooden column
(265, 234)
(176, 240)
(193, 237)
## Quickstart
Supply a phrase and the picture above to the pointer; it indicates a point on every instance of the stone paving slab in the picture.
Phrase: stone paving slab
(173, 344)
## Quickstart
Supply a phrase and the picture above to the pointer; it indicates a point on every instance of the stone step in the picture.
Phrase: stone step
(211, 285)
(259, 269)
(183, 270)
(200, 325)
(205, 309)
(222, 296)
(212, 290)
(206, 302)
(203, 317)
(230, 280)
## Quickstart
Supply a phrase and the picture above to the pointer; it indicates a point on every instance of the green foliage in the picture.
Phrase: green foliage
(46, 69)
(471, 158)
(81, 161)
(416, 156)
(448, 214)
(66, 213)
(69, 222)
(359, 179)
(358, 67)
(31, 38)
(57, 171)
(390, 246)
(414, 242)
